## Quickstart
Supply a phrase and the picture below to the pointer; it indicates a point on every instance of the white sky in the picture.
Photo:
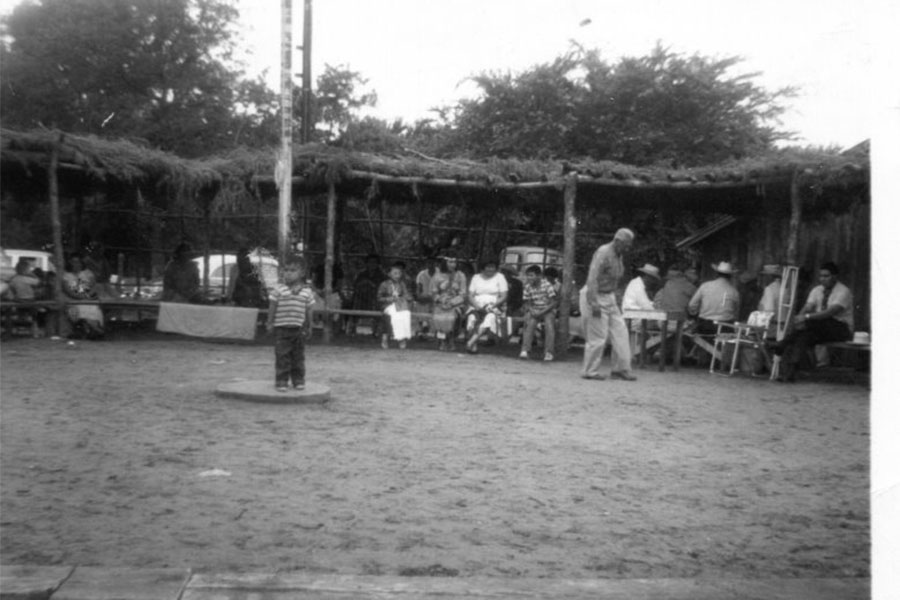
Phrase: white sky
(416, 53)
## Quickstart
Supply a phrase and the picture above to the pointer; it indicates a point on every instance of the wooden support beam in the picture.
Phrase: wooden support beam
(794, 225)
(568, 274)
(329, 259)
(53, 192)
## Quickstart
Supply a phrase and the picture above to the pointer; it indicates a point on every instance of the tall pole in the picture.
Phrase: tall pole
(570, 225)
(306, 129)
(284, 170)
(56, 224)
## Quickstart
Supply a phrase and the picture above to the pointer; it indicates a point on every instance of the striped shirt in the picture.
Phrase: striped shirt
(539, 296)
(291, 305)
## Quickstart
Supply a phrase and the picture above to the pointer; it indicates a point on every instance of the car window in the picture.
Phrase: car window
(510, 258)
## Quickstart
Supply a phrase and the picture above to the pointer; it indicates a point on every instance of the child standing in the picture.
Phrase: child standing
(540, 304)
(394, 298)
(290, 315)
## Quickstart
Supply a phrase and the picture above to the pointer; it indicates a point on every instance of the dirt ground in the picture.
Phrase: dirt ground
(424, 462)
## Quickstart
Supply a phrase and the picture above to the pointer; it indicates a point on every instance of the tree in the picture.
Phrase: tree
(663, 107)
(338, 100)
(162, 71)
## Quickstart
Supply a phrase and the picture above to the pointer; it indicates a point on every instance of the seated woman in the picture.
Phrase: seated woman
(181, 278)
(487, 304)
(78, 284)
(448, 292)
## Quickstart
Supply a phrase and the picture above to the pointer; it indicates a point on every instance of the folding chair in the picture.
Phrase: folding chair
(751, 334)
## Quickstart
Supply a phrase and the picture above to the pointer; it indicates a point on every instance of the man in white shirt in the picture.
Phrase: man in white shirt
(639, 290)
(827, 316)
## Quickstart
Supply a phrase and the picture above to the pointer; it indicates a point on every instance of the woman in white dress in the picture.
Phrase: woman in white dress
(78, 283)
(487, 304)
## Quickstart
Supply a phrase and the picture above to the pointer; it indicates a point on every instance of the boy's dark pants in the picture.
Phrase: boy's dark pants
(289, 356)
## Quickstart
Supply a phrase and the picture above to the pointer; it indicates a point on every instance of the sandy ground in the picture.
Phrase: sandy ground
(424, 462)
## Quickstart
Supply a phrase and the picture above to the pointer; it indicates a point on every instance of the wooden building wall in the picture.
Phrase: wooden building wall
(843, 238)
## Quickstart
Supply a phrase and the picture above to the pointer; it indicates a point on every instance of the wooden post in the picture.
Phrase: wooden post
(329, 258)
(796, 216)
(284, 170)
(53, 192)
(568, 274)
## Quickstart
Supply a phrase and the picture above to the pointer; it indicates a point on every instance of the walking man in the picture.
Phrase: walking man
(602, 318)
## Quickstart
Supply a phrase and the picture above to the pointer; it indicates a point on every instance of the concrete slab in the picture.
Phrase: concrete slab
(264, 391)
(27, 582)
(123, 583)
(298, 586)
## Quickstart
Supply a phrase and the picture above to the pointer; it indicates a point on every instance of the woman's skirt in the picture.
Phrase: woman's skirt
(88, 312)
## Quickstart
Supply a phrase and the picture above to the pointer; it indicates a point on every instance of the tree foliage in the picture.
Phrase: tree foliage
(663, 107)
(161, 70)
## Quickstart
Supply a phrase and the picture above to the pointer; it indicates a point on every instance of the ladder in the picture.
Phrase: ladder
(787, 295)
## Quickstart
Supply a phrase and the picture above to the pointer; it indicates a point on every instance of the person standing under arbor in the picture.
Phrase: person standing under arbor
(600, 312)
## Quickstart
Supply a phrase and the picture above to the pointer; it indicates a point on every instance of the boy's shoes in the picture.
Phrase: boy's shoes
(281, 387)
(623, 375)
(384, 342)
(548, 357)
(523, 355)
(403, 344)
(300, 386)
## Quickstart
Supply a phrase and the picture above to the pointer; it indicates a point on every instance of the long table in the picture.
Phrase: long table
(663, 317)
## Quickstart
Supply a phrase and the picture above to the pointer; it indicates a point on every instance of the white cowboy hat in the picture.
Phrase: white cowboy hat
(724, 268)
(650, 270)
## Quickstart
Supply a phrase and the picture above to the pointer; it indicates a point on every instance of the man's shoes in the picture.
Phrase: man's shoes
(523, 355)
(301, 385)
(623, 375)
(548, 357)
(281, 387)
(594, 377)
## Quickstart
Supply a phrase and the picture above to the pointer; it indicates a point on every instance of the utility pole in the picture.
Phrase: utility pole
(306, 130)
(284, 166)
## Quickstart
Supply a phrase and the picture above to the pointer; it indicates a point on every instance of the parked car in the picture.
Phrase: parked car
(10, 257)
(519, 258)
(220, 271)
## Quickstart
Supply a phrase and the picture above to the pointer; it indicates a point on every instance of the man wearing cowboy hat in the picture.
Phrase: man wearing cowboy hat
(637, 294)
(639, 290)
(600, 312)
(716, 300)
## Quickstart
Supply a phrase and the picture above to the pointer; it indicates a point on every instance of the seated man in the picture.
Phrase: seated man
(771, 275)
(539, 298)
(827, 316)
(639, 290)
(716, 300)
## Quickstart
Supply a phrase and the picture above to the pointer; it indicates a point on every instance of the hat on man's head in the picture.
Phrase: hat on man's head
(650, 270)
(724, 268)
(624, 234)
(771, 270)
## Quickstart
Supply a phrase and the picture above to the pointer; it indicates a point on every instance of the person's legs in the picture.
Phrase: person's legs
(595, 332)
(618, 334)
(298, 360)
(549, 334)
(528, 333)
(282, 357)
